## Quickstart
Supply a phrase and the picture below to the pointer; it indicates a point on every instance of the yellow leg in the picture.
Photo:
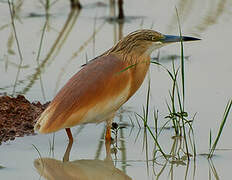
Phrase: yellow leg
(108, 128)
(108, 151)
(108, 133)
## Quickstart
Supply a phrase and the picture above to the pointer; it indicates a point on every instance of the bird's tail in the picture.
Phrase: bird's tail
(42, 121)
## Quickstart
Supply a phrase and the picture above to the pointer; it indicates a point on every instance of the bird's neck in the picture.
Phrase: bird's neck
(132, 52)
(137, 65)
(131, 58)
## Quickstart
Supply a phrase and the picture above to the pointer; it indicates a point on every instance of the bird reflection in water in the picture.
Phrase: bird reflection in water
(83, 169)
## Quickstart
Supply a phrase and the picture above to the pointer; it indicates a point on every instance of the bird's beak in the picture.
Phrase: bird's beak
(172, 39)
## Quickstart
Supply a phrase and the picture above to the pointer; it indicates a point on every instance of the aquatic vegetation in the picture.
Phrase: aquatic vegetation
(224, 119)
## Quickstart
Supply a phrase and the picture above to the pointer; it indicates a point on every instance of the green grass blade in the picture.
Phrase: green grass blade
(37, 151)
(148, 99)
(182, 60)
(156, 142)
(125, 69)
(225, 116)
(210, 139)
(155, 115)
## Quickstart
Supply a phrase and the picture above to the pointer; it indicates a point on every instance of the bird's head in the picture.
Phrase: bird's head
(143, 42)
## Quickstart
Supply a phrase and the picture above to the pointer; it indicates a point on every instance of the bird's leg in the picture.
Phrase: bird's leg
(69, 133)
(69, 147)
(108, 151)
(108, 128)
(108, 133)
(108, 140)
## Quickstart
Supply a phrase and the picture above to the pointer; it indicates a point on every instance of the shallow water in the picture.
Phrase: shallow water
(70, 39)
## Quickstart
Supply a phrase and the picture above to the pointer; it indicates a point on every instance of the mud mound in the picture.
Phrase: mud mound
(18, 116)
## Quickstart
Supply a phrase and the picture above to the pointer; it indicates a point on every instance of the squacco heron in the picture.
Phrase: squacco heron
(102, 86)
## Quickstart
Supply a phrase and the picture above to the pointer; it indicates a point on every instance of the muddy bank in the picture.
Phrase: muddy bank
(18, 116)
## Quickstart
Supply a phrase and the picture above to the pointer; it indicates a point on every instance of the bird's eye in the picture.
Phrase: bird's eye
(152, 38)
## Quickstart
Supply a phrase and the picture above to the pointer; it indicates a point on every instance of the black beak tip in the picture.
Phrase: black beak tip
(186, 38)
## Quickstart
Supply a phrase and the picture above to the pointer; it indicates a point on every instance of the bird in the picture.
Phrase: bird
(102, 86)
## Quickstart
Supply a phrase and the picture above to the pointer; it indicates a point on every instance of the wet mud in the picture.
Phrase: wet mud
(18, 116)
